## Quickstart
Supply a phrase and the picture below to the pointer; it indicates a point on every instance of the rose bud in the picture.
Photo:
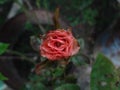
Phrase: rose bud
(59, 44)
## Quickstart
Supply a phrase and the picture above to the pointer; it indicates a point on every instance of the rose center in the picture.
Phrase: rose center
(57, 44)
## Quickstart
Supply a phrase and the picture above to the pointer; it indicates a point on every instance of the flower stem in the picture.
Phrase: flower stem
(22, 55)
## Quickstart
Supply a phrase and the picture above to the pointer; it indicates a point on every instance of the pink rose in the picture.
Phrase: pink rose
(59, 44)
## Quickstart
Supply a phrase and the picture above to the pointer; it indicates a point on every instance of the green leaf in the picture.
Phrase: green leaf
(68, 87)
(58, 72)
(103, 75)
(2, 77)
(3, 1)
(81, 43)
(28, 25)
(77, 60)
(89, 15)
(3, 47)
(38, 3)
(80, 59)
(34, 86)
(38, 86)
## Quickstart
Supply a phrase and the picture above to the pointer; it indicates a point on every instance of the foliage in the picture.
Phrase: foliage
(3, 1)
(2, 77)
(89, 16)
(83, 11)
(36, 86)
(81, 43)
(79, 60)
(3, 47)
(104, 75)
(68, 87)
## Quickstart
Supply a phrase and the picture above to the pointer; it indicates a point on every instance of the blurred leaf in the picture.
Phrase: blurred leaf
(2, 19)
(2, 77)
(46, 4)
(77, 60)
(35, 86)
(37, 82)
(68, 87)
(58, 72)
(38, 3)
(35, 43)
(118, 73)
(103, 75)
(37, 78)
(33, 28)
(80, 59)
(3, 1)
(39, 86)
(85, 4)
(28, 25)
(81, 43)
(75, 21)
(3, 47)
(89, 15)
(58, 82)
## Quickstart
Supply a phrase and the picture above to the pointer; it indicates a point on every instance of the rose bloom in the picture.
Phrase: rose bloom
(59, 44)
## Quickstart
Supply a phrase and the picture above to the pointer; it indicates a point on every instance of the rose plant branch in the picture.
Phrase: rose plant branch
(56, 18)
(57, 47)
(22, 55)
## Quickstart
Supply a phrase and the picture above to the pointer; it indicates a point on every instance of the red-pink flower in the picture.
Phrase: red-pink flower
(59, 44)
